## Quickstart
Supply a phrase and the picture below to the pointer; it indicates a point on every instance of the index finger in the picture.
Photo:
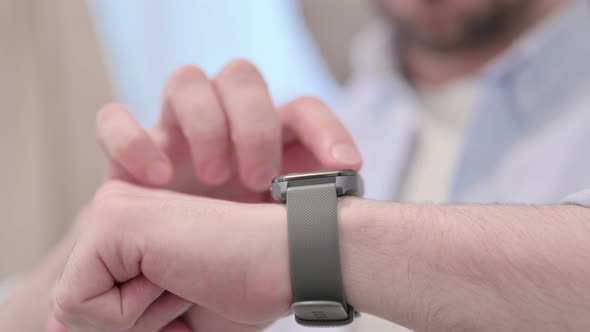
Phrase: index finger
(310, 121)
(253, 122)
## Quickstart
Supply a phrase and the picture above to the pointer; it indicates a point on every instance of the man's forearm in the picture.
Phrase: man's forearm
(450, 268)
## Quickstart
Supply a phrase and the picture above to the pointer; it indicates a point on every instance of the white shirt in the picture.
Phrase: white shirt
(442, 116)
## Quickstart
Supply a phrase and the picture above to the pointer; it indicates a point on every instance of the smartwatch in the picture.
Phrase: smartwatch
(314, 254)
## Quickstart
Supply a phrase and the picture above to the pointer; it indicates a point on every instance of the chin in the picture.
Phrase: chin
(452, 24)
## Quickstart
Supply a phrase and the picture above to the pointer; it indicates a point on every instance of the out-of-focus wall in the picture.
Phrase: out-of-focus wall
(52, 81)
(209, 33)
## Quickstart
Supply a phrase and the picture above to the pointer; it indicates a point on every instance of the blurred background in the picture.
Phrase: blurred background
(60, 61)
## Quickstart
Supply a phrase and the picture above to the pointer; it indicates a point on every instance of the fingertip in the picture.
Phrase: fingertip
(321, 132)
(346, 155)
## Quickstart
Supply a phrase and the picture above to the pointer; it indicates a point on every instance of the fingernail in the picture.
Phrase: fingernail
(216, 171)
(346, 154)
(159, 172)
(262, 178)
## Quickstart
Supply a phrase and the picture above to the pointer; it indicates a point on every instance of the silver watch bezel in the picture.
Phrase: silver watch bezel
(347, 181)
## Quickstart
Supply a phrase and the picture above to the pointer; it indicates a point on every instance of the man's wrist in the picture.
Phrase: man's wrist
(359, 232)
(384, 255)
(387, 257)
(355, 228)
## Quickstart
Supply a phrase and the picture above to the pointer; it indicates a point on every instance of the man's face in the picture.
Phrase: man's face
(453, 24)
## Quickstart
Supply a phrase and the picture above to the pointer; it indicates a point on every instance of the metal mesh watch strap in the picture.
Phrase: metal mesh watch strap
(314, 253)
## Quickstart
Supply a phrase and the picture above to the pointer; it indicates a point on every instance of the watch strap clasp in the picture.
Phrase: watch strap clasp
(322, 313)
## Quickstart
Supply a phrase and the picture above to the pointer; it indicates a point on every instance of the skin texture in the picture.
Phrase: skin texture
(430, 268)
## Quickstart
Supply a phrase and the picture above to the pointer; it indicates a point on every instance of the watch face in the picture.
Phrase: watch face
(314, 175)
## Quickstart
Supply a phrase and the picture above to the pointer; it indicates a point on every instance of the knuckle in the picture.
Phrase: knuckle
(122, 150)
(257, 137)
(107, 111)
(304, 105)
(107, 118)
(183, 77)
(309, 102)
(188, 72)
(240, 69)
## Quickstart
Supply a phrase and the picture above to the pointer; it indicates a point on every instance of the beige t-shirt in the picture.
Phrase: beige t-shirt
(442, 117)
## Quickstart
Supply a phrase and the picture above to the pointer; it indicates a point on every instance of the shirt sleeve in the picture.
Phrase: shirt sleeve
(580, 198)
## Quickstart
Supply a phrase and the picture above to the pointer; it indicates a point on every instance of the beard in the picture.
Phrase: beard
(443, 30)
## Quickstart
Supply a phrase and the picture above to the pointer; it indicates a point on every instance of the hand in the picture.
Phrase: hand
(215, 136)
(144, 251)
(223, 138)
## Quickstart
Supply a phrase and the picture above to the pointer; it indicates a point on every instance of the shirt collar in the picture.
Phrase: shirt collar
(536, 67)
